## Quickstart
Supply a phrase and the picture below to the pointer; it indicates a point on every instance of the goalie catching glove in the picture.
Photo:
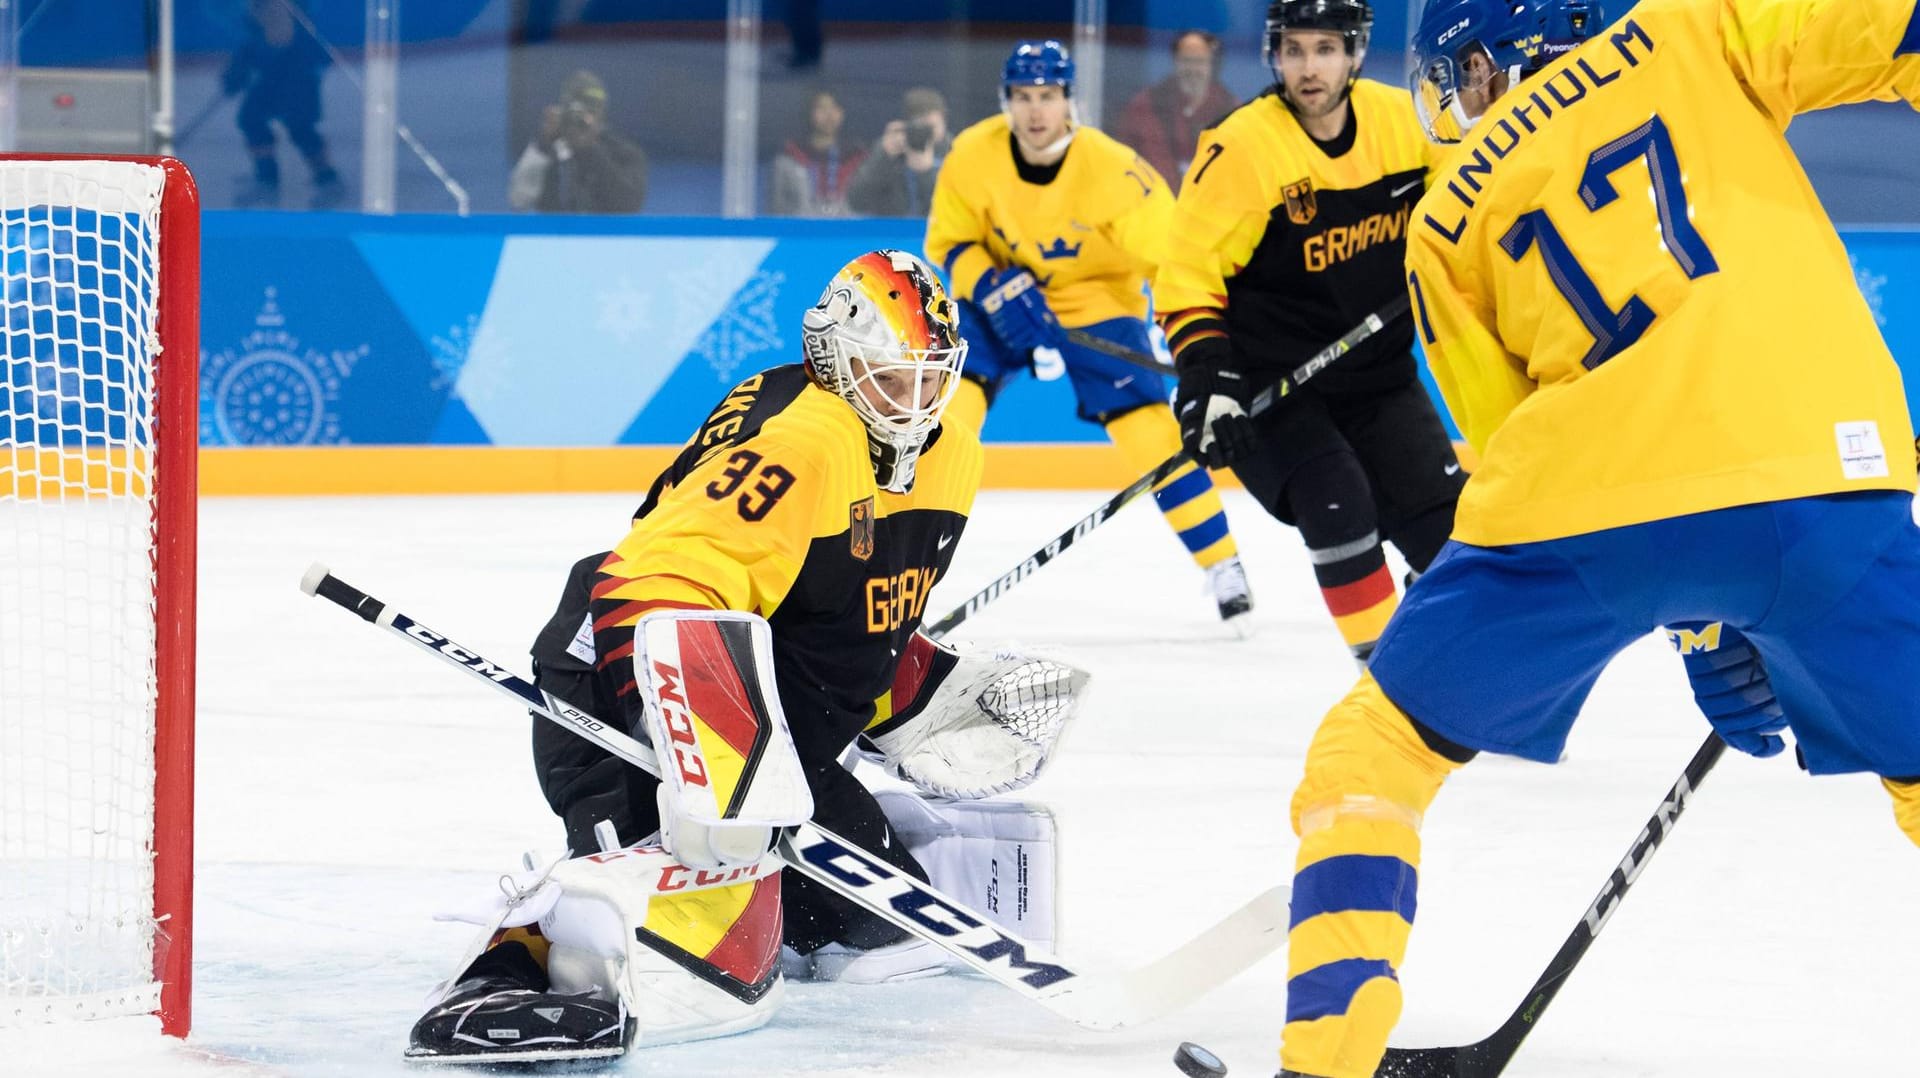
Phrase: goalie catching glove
(966, 726)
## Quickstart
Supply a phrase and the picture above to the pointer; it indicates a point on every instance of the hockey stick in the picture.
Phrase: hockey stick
(1096, 1002)
(1032, 563)
(1262, 401)
(1118, 351)
(1489, 1057)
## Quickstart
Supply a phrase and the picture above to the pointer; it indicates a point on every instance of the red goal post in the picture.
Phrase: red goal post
(99, 420)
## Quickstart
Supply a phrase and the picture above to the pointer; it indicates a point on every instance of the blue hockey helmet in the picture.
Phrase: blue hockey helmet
(1462, 45)
(1038, 63)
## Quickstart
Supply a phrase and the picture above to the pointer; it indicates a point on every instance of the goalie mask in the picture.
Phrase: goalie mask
(885, 338)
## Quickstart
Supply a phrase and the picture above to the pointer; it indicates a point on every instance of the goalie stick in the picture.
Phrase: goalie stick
(1262, 401)
(1489, 1057)
(1101, 1002)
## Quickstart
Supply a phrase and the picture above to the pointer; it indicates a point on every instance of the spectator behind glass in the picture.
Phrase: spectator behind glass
(1164, 121)
(277, 70)
(896, 179)
(811, 175)
(577, 164)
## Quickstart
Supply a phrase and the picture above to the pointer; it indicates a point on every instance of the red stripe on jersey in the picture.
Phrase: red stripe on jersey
(750, 948)
(1362, 594)
(621, 651)
(715, 691)
(629, 613)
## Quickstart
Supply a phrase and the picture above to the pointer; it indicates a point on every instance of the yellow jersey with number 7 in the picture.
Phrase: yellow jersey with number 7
(1630, 296)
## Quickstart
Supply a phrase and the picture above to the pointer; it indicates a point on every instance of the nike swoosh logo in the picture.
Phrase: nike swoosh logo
(947, 540)
(1403, 189)
(1452, 468)
(1124, 382)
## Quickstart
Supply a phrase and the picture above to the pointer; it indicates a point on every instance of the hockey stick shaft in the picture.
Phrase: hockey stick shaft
(1031, 563)
(1121, 352)
(1488, 1058)
(1261, 403)
(1244, 937)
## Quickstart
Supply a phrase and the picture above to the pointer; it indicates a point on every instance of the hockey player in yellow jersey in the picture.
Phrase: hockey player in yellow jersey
(761, 615)
(1289, 231)
(1666, 440)
(1042, 222)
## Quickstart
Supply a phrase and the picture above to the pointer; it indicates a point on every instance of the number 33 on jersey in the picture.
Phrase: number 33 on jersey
(1600, 253)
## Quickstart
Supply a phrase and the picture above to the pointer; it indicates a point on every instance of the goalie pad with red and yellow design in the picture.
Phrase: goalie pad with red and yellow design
(727, 761)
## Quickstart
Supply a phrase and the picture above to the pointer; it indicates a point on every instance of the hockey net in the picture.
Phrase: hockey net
(98, 436)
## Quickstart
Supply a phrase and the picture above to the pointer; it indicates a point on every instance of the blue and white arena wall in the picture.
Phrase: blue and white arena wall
(344, 353)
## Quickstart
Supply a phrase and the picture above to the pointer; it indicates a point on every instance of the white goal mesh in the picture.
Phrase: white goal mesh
(79, 530)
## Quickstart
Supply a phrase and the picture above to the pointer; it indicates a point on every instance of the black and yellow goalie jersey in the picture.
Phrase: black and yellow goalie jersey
(1283, 247)
(772, 508)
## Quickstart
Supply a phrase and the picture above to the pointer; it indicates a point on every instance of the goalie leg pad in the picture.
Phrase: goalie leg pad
(674, 953)
(999, 857)
(694, 953)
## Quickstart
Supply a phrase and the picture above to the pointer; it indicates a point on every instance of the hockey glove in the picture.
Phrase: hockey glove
(1210, 403)
(969, 725)
(1018, 310)
(1731, 685)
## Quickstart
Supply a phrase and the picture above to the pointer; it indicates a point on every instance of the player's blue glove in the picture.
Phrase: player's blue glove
(1731, 685)
(1018, 310)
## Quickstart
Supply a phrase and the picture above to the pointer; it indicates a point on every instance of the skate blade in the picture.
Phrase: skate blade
(483, 1057)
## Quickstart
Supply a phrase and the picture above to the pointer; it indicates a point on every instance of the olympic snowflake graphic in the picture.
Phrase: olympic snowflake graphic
(626, 311)
(472, 356)
(272, 390)
(746, 328)
(1871, 284)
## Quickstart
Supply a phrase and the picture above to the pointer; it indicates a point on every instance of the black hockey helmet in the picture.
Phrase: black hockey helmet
(1351, 19)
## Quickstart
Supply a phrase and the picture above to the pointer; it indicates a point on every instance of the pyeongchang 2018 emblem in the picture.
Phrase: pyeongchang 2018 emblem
(271, 390)
(860, 528)
(1301, 206)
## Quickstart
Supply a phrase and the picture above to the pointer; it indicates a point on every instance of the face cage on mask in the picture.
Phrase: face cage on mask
(908, 422)
(1436, 93)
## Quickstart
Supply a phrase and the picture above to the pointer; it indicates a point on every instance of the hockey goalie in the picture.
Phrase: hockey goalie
(759, 620)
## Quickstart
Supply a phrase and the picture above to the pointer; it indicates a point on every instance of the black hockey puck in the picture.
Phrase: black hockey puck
(1196, 1062)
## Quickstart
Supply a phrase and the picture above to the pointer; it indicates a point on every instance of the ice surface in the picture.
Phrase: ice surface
(350, 787)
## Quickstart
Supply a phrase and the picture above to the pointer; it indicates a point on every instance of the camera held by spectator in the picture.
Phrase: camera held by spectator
(897, 178)
(576, 164)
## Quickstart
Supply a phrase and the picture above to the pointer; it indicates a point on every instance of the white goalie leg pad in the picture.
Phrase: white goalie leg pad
(977, 725)
(729, 772)
(694, 953)
(1001, 858)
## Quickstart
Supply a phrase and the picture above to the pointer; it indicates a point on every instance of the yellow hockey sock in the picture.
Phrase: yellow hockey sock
(1187, 498)
(1369, 781)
